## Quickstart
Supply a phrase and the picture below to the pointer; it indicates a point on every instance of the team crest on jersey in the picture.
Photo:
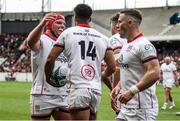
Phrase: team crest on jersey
(87, 72)
(114, 41)
(149, 47)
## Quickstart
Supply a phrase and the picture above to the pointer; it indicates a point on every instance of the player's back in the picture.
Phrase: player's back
(85, 49)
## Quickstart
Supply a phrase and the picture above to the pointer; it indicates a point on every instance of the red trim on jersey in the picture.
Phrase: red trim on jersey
(137, 36)
(40, 116)
(59, 44)
(84, 25)
(109, 48)
(78, 108)
(50, 36)
(149, 59)
(119, 47)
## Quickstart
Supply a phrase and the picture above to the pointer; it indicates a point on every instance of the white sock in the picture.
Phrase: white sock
(165, 103)
(172, 103)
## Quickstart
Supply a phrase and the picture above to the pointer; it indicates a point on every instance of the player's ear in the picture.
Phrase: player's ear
(130, 21)
(90, 19)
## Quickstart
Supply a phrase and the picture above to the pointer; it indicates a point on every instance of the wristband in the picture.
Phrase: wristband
(134, 89)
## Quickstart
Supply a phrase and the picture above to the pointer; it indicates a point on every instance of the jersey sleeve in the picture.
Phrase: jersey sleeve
(109, 47)
(115, 43)
(147, 52)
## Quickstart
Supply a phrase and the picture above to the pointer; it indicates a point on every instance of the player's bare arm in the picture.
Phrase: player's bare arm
(110, 68)
(176, 78)
(50, 63)
(110, 62)
(34, 36)
(151, 76)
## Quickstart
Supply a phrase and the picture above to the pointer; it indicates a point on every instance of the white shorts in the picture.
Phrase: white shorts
(133, 114)
(168, 83)
(84, 98)
(43, 105)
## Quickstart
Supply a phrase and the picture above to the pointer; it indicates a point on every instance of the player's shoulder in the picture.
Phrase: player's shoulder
(101, 35)
(172, 64)
(116, 37)
(45, 39)
(144, 43)
(70, 29)
(163, 64)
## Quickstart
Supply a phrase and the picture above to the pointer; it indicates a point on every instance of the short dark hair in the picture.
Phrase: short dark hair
(83, 11)
(115, 17)
(133, 13)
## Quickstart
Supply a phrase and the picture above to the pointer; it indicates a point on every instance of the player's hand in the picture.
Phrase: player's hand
(103, 66)
(114, 93)
(48, 17)
(52, 82)
(126, 96)
(114, 105)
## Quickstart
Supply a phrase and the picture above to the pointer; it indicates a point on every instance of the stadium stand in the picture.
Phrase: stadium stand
(155, 20)
(13, 60)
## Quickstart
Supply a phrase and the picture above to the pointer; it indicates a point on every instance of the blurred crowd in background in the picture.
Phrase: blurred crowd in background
(16, 61)
(12, 60)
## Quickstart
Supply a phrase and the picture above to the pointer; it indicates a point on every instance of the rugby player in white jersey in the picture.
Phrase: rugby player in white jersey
(85, 48)
(116, 43)
(46, 100)
(139, 71)
(169, 77)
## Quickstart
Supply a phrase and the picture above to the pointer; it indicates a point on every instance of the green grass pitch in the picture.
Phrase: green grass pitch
(14, 103)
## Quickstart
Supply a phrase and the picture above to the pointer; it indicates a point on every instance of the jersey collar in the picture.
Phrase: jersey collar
(137, 36)
(84, 25)
(50, 36)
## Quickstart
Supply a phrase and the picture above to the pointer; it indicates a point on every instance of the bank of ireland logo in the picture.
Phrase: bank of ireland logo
(88, 72)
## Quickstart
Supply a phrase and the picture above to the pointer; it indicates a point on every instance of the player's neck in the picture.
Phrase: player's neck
(51, 35)
(134, 36)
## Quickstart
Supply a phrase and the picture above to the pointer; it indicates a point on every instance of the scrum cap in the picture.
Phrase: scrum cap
(57, 16)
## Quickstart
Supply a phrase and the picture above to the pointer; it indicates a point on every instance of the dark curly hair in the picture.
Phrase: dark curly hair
(83, 11)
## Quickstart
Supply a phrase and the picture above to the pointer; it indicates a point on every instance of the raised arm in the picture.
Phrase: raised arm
(34, 36)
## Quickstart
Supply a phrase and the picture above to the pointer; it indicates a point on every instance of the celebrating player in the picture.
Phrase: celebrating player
(85, 48)
(116, 43)
(46, 100)
(139, 71)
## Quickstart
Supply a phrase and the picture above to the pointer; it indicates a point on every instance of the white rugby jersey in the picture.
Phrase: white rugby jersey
(38, 60)
(84, 48)
(168, 71)
(117, 42)
(132, 57)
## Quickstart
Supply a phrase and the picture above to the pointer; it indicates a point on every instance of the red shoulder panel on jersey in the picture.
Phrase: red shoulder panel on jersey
(149, 59)
(109, 48)
(118, 47)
